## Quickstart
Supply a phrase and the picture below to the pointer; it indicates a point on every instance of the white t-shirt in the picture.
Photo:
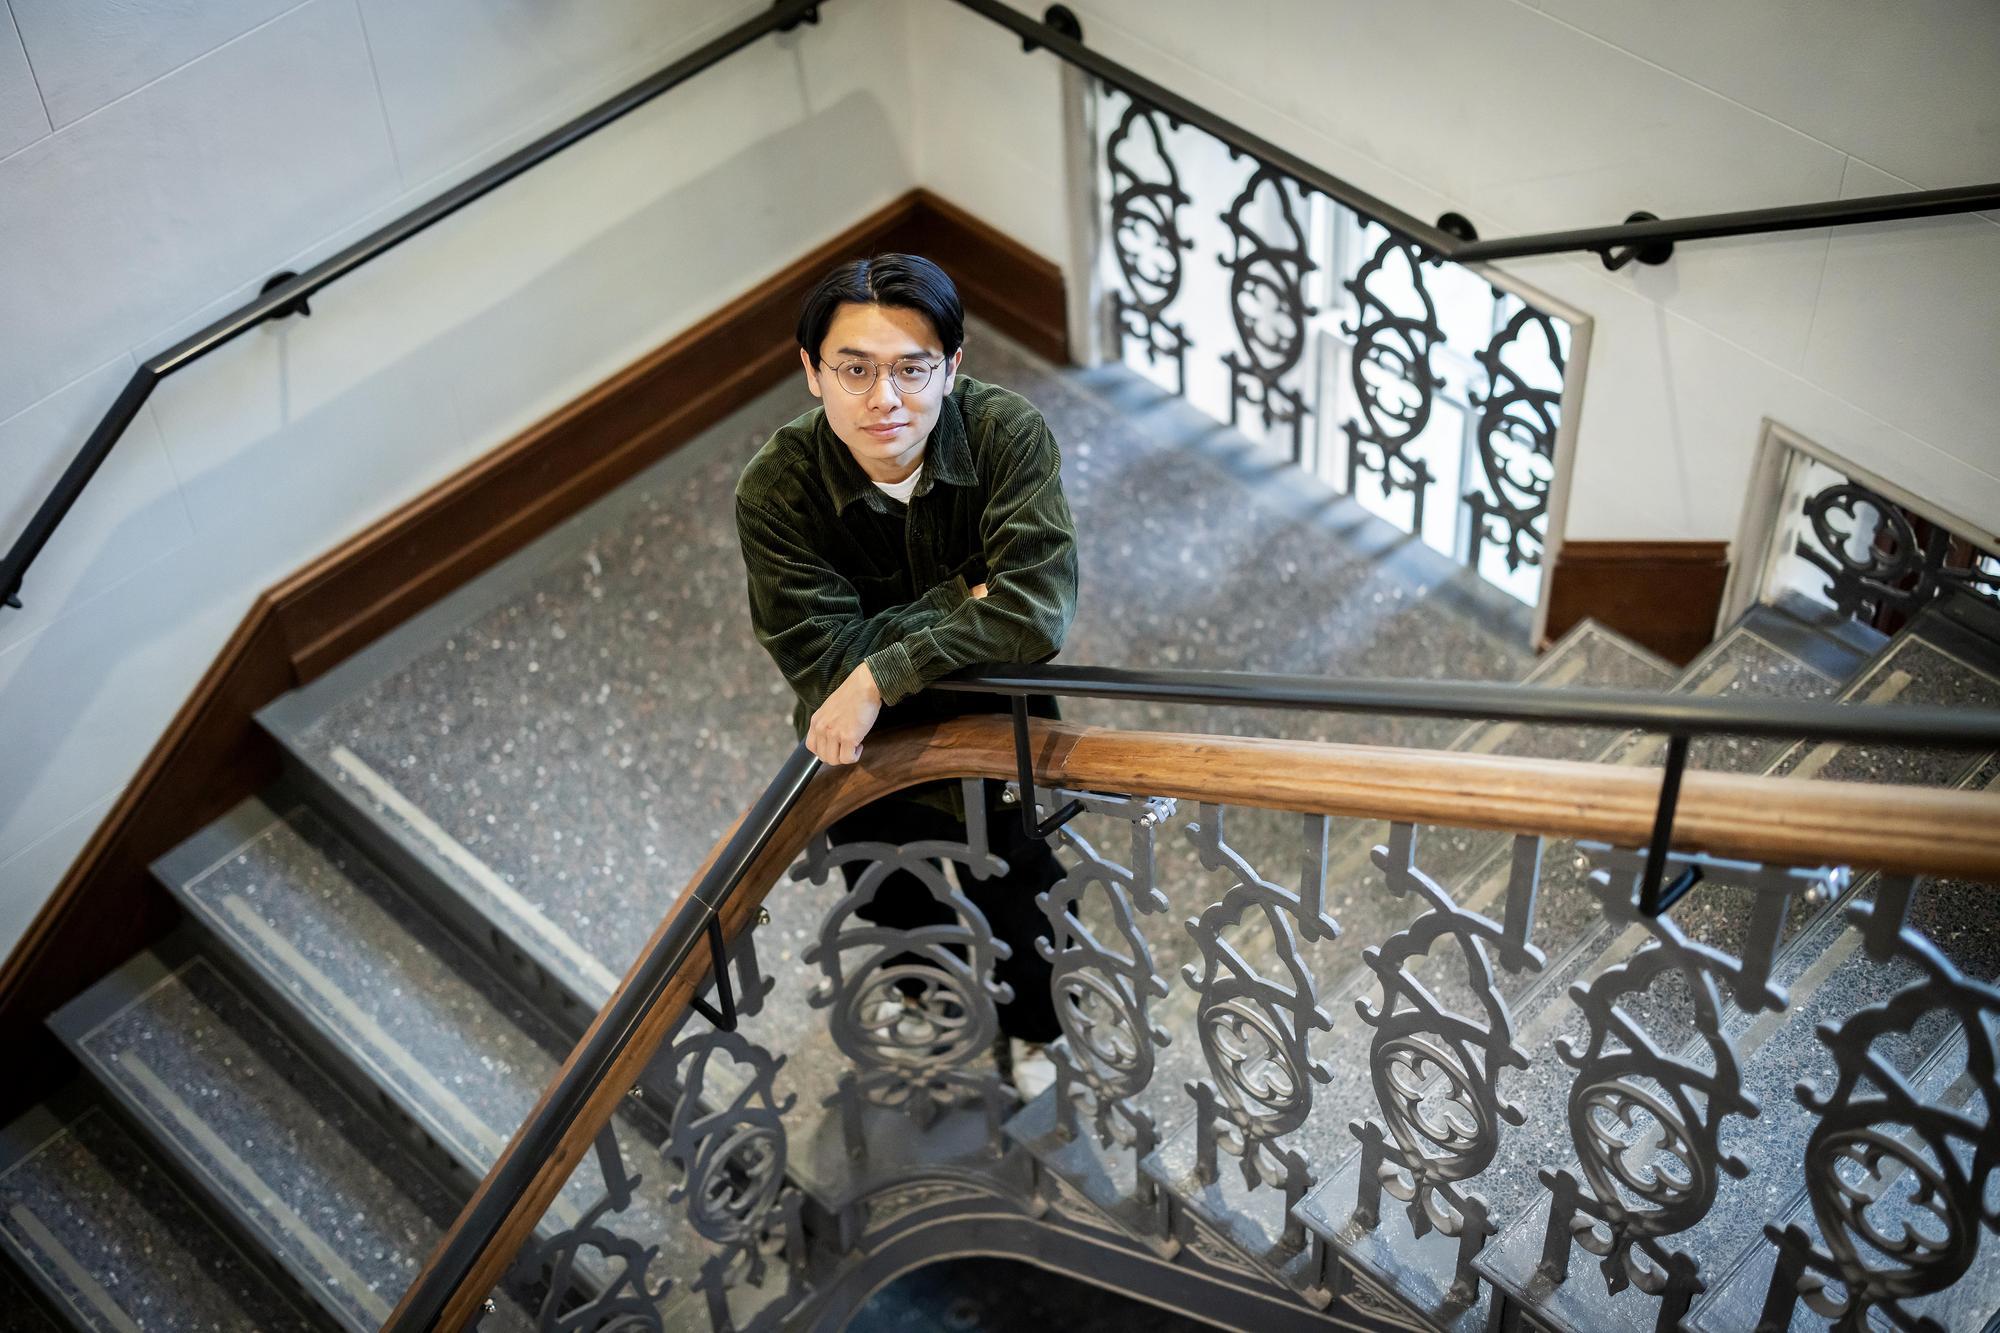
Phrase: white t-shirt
(901, 490)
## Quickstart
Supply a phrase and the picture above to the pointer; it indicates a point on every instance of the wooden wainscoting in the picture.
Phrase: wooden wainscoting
(1665, 595)
(213, 755)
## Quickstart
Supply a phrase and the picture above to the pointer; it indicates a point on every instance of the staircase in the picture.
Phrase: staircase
(386, 956)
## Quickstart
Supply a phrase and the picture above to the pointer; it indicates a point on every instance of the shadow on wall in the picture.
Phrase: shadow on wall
(299, 434)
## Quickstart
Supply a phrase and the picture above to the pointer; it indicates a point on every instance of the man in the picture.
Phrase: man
(912, 524)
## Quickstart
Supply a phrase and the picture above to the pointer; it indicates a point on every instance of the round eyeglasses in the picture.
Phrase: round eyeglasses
(909, 375)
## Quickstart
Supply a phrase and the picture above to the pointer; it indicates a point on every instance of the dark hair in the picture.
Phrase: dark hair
(907, 282)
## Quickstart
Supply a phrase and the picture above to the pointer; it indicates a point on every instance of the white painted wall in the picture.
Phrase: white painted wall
(1881, 343)
(158, 161)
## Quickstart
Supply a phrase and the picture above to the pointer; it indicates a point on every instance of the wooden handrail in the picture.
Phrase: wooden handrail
(1867, 826)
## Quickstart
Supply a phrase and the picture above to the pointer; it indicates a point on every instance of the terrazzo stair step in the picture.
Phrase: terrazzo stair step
(1589, 656)
(1741, 664)
(1834, 644)
(369, 808)
(108, 1238)
(263, 1135)
(1829, 979)
(1745, 662)
(394, 1006)
(1738, 1294)
(1967, 624)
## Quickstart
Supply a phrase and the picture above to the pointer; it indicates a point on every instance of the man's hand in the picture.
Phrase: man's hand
(836, 730)
(978, 590)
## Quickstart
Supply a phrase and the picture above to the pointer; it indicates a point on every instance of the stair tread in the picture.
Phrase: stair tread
(352, 1213)
(114, 1240)
(465, 1061)
(1838, 647)
(1590, 656)
(1912, 670)
(320, 921)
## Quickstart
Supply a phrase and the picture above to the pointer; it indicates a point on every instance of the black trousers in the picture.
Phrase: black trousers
(1008, 900)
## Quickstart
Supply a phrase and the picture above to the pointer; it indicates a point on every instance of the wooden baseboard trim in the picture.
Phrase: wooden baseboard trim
(1012, 287)
(1664, 595)
(213, 755)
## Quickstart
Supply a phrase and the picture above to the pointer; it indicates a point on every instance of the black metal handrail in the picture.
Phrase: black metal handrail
(289, 296)
(1901, 724)
(1649, 240)
(1678, 719)
(1633, 236)
(596, 1056)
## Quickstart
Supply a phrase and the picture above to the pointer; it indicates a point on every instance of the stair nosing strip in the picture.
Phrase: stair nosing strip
(254, 1266)
(375, 1038)
(72, 1268)
(316, 983)
(288, 1220)
(196, 1171)
(484, 877)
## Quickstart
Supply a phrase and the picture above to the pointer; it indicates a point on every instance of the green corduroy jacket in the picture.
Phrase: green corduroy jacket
(841, 574)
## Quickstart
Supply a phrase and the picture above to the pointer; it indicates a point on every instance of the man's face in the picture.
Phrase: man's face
(884, 428)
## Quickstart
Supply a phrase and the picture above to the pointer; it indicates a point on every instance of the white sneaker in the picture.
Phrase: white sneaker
(1034, 1072)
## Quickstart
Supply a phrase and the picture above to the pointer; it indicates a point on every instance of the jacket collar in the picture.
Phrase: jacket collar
(947, 458)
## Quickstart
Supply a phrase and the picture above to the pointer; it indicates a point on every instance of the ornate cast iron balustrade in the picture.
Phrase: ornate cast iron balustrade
(739, 1247)
(1146, 240)
(1534, 1106)
(1466, 1047)
(1436, 1070)
(912, 1010)
(1168, 184)
(1898, 1183)
(1104, 986)
(1883, 563)
(1396, 333)
(1267, 303)
(1646, 1120)
(1516, 438)
(1259, 1006)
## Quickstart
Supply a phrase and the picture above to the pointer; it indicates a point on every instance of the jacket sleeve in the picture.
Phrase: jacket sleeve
(1030, 548)
(808, 616)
